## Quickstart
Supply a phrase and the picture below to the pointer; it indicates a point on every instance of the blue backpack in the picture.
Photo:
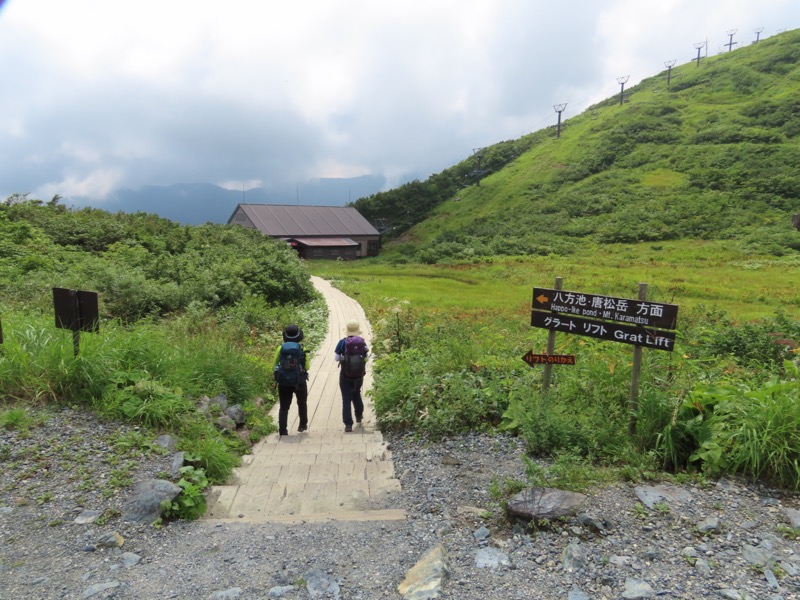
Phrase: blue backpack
(291, 368)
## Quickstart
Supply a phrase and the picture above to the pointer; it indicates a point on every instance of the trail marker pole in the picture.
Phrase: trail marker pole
(551, 345)
(633, 402)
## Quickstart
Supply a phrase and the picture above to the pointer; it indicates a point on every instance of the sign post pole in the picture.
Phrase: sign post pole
(551, 345)
(633, 402)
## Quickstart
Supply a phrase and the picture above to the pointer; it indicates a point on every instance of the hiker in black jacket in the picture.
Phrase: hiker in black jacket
(291, 375)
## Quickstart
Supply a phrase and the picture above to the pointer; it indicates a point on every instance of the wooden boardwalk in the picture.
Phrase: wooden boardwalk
(323, 473)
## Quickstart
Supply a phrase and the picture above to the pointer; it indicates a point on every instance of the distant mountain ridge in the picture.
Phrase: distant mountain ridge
(199, 203)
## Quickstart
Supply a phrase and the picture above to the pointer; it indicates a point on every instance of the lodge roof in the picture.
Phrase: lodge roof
(279, 220)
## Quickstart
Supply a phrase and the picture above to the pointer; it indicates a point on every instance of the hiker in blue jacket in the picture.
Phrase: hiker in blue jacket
(291, 375)
(351, 354)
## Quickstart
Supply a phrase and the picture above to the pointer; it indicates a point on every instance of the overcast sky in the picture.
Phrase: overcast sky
(103, 94)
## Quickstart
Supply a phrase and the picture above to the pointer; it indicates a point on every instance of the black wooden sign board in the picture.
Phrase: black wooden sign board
(635, 312)
(76, 310)
(549, 359)
(615, 332)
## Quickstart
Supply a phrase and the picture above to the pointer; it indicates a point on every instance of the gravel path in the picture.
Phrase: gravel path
(729, 540)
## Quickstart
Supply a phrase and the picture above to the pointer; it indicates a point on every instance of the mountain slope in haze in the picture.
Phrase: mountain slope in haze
(199, 203)
(714, 155)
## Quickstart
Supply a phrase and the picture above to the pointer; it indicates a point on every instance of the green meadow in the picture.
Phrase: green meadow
(688, 273)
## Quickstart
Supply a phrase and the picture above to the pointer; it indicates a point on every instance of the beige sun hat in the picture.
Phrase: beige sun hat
(353, 328)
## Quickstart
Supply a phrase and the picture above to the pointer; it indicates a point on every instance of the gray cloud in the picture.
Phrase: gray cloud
(185, 92)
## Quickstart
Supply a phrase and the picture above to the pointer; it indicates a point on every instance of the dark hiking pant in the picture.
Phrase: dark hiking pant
(285, 398)
(351, 395)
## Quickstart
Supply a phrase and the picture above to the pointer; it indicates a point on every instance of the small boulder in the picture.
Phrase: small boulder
(538, 503)
(144, 503)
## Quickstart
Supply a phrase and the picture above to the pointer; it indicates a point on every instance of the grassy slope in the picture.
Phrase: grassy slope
(712, 157)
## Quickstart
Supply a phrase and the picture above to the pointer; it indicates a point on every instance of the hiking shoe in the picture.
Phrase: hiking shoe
(348, 428)
(358, 419)
(302, 428)
(282, 433)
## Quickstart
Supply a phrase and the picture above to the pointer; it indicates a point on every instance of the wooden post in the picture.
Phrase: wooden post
(551, 346)
(633, 403)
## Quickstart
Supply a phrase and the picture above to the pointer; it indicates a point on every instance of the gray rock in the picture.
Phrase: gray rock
(703, 567)
(793, 516)
(129, 559)
(491, 558)
(178, 461)
(6, 510)
(144, 503)
(733, 594)
(88, 516)
(573, 558)
(482, 534)
(772, 581)
(227, 594)
(220, 401)
(167, 442)
(111, 539)
(279, 591)
(595, 524)
(636, 589)
(545, 503)
(225, 422)
(321, 585)
(650, 495)
(99, 588)
(577, 594)
(709, 525)
(758, 555)
(236, 413)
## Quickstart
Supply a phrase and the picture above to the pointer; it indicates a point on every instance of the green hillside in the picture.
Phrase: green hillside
(714, 155)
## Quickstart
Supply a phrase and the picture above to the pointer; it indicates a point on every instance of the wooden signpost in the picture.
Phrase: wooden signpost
(637, 322)
(76, 310)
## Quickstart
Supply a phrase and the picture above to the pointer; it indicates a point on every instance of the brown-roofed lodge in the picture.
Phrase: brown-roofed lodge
(330, 232)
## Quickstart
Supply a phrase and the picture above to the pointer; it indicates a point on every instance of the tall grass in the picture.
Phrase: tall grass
(149, 373)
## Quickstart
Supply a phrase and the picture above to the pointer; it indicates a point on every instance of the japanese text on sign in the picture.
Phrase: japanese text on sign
(617, 332)
(636, 312)
(549, 359)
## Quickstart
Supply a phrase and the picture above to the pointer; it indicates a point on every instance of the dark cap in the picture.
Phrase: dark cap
(292, 333)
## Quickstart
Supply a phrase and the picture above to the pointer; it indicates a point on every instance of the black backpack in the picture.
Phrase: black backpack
(354, 365)
(291, 368)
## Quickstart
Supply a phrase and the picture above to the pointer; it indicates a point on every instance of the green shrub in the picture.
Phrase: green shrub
(734, 427)
(190, 503)
(763, 345)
